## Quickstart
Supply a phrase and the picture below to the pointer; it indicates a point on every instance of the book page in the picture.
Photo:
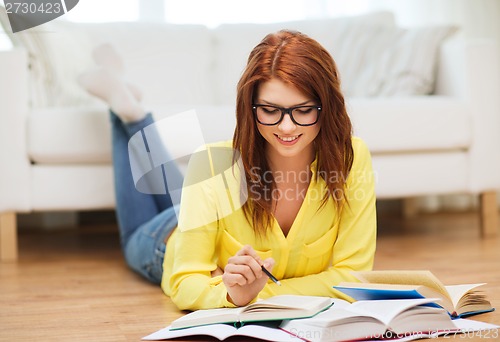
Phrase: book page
(338, 311)
(334, 325)
(425, 278)
(376, 291)
(223, 331)
(265, 333)
(472, 325)
(284, 302)
(488, 331)
(209, 316)
(387, 310)
(219, 331)
(458, 291)
(284, 307)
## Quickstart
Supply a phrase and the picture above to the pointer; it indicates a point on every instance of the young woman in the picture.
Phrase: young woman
(303, 201)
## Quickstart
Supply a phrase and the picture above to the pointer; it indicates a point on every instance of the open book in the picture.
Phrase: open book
(399, 320)
(271, 309)
(364, 320)
(458, 300)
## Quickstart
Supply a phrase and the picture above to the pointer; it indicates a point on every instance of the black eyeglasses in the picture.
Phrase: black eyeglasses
(272, 115)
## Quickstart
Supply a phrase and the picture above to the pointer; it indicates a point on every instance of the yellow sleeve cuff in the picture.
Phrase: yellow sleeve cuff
(217, 281)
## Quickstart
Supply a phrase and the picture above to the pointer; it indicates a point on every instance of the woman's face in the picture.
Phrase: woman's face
(286, 139)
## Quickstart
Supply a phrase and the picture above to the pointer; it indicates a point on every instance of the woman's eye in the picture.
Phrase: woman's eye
(303, 111)
(270, 110)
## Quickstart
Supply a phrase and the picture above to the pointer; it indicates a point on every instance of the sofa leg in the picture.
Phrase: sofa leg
(409, 207)
(489, 214)
(8, 237)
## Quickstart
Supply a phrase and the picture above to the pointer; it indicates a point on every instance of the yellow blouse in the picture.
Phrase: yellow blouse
(320, 250)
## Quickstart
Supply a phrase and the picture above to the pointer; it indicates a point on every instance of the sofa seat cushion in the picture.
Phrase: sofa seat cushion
(69, 136)
(83, 135)
(412, 124)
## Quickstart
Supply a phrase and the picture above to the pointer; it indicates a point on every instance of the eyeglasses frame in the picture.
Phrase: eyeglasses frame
(283, 112)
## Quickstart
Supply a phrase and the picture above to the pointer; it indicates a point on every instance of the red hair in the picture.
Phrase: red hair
(302, 62)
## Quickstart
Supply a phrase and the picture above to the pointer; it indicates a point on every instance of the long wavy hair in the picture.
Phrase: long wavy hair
(300, 61)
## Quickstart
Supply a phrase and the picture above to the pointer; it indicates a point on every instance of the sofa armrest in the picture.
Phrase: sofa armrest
(470, 70)
(450, 75)
(15, 165)
(483, 92)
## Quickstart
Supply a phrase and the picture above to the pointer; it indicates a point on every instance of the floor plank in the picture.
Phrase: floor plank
(74, 285)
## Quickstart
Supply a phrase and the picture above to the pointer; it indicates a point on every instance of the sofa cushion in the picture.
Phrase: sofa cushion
(340, 36)
(69, 136)
(411, 124)
(421, 174)
(393, 61)
(72, 187)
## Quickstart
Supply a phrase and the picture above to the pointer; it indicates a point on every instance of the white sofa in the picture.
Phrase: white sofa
(436, 132)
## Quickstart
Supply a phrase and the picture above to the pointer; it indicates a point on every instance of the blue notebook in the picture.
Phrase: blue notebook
(360, 293)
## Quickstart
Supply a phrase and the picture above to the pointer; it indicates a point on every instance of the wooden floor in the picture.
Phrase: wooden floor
(74, 285)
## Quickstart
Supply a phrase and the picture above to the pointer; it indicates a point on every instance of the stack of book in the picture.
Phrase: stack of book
(396, 305)
(458, 300)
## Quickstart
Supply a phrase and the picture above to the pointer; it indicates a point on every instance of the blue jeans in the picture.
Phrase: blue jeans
(145, 220)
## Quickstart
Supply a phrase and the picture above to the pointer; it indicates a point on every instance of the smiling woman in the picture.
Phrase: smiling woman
(286, 211)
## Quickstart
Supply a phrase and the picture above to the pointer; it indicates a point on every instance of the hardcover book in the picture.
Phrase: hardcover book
(272, 309)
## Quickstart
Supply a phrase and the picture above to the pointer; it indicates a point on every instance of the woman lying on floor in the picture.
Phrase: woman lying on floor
(303, 203)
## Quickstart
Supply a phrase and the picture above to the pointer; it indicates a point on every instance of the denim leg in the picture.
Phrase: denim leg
(134, 208)
(145, 249)
(144, 219)
(155, 171)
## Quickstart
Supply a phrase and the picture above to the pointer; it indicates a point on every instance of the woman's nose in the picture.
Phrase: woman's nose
(287, 125)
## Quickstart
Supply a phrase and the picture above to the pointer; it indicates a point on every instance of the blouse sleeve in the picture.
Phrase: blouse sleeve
(202, 204)
(354, 247)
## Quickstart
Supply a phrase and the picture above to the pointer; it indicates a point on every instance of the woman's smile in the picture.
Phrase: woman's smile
(288, 140)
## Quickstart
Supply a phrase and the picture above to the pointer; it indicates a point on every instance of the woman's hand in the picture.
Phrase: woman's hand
(243, 275)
